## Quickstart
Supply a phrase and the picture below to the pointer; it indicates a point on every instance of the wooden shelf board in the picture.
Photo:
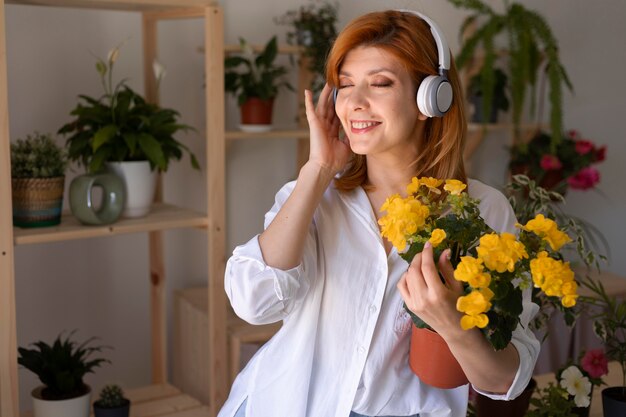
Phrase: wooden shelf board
(161, 217)
(272, 134)
(159, 401)
(126, 5)
(492, 127)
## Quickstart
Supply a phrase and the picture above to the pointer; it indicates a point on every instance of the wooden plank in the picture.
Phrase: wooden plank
(9, 405)
(216, 203)
(164, 406)
(151, 392)
(161, 217)
(127, 5)
(272, 134)
(203, 411)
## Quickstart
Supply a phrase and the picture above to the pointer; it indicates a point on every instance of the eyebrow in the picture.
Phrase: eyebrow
(371, 72)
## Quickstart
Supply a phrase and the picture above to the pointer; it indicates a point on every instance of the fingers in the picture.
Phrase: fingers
(404, 289)
(447, 270)
(429, 270)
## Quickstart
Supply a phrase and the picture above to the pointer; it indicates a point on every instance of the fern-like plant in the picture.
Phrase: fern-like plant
(61, 366)
(530, 40)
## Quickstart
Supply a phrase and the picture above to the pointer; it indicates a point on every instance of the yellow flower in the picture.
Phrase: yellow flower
(454, 187)
(475, 302)
(556, 239)
(500, 253)
(479, 320)
(554, 277)
(548, 230)
(432, 184)
(412, 188)
(404, 217)
(471, 270)
(436, 237)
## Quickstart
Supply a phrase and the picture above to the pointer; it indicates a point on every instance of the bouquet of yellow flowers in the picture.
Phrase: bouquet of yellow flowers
(494, 267)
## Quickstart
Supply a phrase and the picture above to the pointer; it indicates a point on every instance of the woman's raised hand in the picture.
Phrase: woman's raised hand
(326, 149)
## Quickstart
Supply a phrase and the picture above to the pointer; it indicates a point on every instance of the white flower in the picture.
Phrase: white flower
(159, 70)
(113, 54)
(577, 385)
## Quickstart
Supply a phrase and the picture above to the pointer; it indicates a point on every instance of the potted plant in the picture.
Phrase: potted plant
(499, 101)
(61, 367)
(255, 80)
(313, 27)
(37, 180)
(111, 402)
(568, 165)
(122, 127)
(530, 41)
(609, 316)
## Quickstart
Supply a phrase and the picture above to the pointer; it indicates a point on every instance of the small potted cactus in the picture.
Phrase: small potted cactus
(111, 402)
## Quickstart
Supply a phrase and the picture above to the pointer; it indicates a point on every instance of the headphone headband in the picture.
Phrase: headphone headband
(443, 52)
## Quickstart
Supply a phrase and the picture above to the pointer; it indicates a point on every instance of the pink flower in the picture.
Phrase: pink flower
(550, 163)
(600, 154)
(583, 147)
(574, 134)
(585, 178)
(595, 363)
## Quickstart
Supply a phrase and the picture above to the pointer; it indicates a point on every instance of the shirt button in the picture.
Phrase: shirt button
(361, 349)
(372, 309)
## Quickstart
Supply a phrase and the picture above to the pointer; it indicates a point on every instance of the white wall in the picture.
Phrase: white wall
(100, 286)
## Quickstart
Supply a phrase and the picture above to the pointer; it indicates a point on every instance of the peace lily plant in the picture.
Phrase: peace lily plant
(495, 268)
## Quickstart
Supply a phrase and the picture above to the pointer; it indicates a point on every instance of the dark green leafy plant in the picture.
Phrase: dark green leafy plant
(254, 75)
(122, 126)
(551, 401)
(61, 366)
(111, 396)
(530, 40)
(37, 156)
(314, 29)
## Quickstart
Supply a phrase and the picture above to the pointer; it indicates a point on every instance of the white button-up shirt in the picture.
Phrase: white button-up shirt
(344, 342)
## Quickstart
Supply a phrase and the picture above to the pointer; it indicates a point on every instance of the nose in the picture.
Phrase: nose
(357, 98)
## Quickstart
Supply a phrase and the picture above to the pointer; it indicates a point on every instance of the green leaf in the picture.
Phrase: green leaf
(152, 148)
(103, 135)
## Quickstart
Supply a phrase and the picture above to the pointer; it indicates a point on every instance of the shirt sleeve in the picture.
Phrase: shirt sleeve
(498, 214)
(259, 293)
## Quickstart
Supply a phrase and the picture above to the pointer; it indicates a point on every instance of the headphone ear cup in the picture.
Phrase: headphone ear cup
(434, 96)
(335, 95)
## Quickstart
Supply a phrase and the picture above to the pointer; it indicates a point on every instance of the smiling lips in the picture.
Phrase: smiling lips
(362, 126)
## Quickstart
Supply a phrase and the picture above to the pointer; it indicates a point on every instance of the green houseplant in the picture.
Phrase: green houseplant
(121, 125)
(530, 41)
(313, 27)
(111, 402)
(255, 79)
(133, 137)
(37, 180)
(61, 368)
(500, 100)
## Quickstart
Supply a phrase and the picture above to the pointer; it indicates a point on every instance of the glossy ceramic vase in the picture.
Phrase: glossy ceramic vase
(82, 202)
(487, 407)
(73, 407)
(614, 401)
(139, 183)
(431, 360)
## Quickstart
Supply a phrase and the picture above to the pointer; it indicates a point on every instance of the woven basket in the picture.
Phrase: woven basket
(37, 202)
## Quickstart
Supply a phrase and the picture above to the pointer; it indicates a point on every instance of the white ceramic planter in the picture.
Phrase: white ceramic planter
(74, 407)
(140, 185)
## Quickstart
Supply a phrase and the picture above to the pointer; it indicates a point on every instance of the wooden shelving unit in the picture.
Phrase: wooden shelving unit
(158, 399)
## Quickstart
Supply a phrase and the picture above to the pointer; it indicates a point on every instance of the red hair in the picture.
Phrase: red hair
(407, 37)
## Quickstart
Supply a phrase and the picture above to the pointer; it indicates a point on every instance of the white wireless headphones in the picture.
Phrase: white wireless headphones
(434, 95)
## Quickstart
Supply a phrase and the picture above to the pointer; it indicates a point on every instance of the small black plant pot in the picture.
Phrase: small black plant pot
(121, 411)
(614, 401)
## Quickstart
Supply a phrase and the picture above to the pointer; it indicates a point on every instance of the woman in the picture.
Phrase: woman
(322, 267)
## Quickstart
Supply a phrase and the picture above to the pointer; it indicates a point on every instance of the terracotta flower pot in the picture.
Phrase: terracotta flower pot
(431, 360)
(257, 112)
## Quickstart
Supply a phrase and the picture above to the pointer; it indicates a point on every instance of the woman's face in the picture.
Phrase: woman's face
(376, 103)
